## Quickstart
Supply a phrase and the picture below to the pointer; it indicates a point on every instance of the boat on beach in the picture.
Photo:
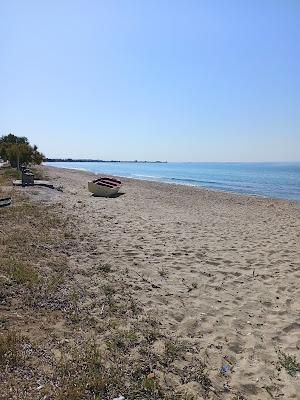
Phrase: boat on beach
(104, 186)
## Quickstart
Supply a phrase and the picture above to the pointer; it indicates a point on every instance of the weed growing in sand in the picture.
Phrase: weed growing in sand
(54, 282)
(289, 363)
(88, 375)
(198, 373)
(22, 273)
(133, 306)
(151, 335)
(84, 372)
(106, 268)
(108, 290)
(173, 350)
(7, 174)
(122, 340)
(149, 328)
(239, 396)
(74, 297)
(163, 273)
(10, 348)
(150, 383)
(185, 396)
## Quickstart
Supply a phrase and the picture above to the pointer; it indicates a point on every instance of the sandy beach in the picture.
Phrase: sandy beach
(218, 272)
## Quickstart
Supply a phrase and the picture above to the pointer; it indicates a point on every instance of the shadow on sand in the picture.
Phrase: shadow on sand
(119, 194)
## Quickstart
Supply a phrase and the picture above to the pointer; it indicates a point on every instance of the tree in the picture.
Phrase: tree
(14, 148)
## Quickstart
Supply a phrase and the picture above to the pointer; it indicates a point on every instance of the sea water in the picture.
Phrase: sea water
(278, 180)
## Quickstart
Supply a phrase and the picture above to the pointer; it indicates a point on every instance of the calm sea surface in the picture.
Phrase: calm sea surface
(279, 180)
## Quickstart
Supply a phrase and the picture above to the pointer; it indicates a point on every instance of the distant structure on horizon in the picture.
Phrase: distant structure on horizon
(99, 161)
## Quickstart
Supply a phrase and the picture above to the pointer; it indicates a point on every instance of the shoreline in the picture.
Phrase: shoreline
(185, 184)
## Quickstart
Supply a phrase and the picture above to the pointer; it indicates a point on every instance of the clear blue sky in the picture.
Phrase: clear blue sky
(185, 80)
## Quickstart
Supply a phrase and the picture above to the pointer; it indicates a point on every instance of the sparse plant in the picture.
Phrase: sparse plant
(86, 374)
(199, 373)
(163, 273)
(108, 290)
(10, 348)
(106, 268)
(74, 305)
(133, 306)
(54, 281)
(289, 363)
(150, 383)
(7, 174)
(151, 335)
(122, 340)
(22, 273)
(173, 349)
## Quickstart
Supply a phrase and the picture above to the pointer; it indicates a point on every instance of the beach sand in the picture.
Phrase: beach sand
(219, 271)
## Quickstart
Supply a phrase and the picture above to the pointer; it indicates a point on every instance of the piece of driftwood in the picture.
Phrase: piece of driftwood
(5, 201)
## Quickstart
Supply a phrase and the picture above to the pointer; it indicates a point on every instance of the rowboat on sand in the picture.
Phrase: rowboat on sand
(104, 186)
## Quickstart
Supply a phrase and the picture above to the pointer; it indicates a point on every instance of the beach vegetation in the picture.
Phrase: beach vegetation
(10, 348)
(54, 281)
(163, 273)
(22, 273)
(74, 305)
(81, 373)
(122, 339)
(39, 173)
(198, 373)
(18, 150)
(289, 363)
(7, 174)
(109, 292)
(106, 268)
(173, 350)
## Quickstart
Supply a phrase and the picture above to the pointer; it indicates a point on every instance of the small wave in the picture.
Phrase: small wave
(81, 169)
(67, 167)
(146, 176)
(174, 179)
(194, 180)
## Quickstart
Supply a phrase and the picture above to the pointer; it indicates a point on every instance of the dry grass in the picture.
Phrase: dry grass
(39, 173)
(22, 273)
(30, 277)
(10, 349)
(7, 175)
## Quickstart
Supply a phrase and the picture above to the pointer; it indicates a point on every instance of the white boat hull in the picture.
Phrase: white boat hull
(102, 191)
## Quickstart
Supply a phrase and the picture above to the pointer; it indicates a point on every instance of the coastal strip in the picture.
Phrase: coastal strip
(166, 290)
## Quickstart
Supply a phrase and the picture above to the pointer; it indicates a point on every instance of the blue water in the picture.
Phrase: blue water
(278, 180)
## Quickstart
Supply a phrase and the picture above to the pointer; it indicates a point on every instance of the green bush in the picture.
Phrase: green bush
(13, 148)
